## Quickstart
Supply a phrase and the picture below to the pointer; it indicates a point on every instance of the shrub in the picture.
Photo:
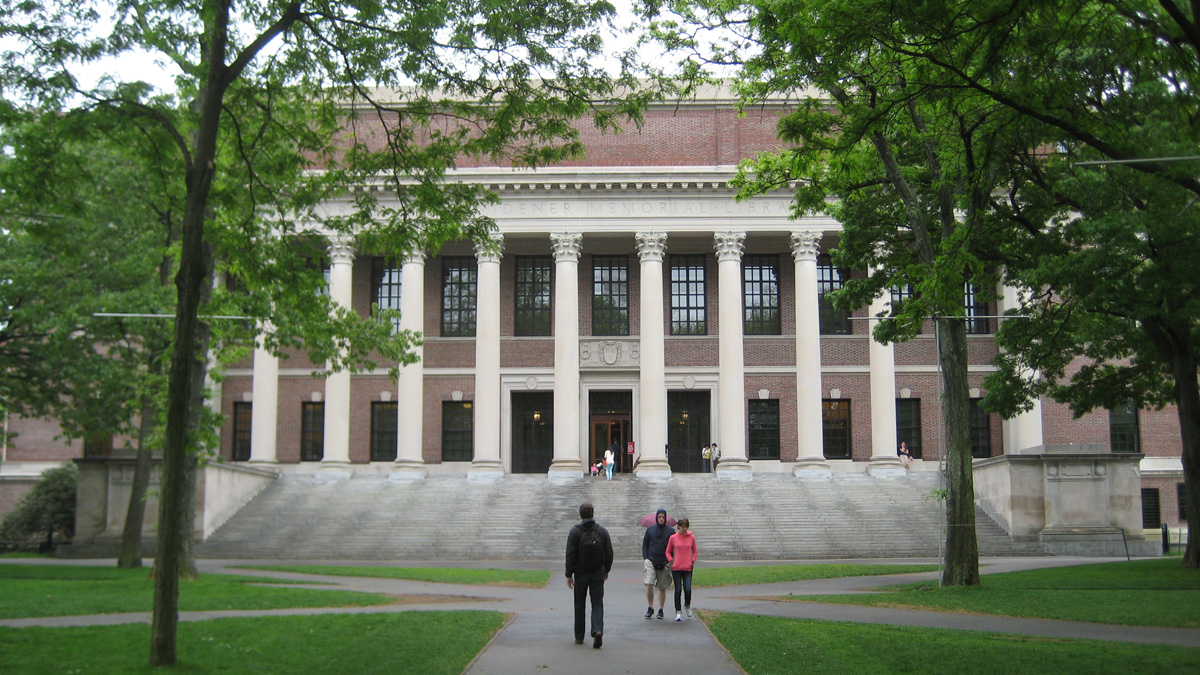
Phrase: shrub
(51, 504)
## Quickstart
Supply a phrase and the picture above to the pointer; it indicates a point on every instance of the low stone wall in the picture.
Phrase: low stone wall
(105, 485)
(1074, 499)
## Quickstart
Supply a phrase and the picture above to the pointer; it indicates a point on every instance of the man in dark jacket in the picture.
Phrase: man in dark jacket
(655, 573)
(589, 559)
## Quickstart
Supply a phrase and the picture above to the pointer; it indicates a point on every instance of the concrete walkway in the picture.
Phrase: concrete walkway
(539, 637)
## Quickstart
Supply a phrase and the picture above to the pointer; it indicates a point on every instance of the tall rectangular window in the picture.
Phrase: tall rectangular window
(312, 431)
(908, 424)
(976, 310)
(981, 430)
(1123, 429)
(459, 278)
(533, 296)
(688, 295)
(829, 279)
(1151, 509)
(241, 431)
(835, 427)
(760, 285)
(764, 429)
(1181, 498)
(384, 431)
(385, 287)
(610, 295)
(901, 295)
(458, 431)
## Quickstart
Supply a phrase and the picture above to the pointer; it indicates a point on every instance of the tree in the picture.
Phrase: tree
(1109, 267)
(49, 508)
(282, 107)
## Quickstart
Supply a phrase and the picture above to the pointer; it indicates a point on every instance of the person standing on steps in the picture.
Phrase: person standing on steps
(654, 562)
(681, 552)
(716, 456)
(589, 560)
(705, 454)
(610, 460)
(905, 455)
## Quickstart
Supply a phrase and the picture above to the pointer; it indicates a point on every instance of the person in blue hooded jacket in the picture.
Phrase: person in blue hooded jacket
(655, 572)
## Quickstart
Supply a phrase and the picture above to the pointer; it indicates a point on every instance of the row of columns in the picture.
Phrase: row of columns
(652, 412)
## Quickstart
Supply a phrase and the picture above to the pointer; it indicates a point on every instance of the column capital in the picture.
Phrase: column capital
(415, 257)
(341, 248)
(651, 246)
(806, 245)
(729, 245)
(490, 249)
(566, 245)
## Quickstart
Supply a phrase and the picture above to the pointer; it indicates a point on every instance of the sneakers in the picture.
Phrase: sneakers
(660, 615)
(597, 639)
(689, 611)
(650, 612)
(679, 616)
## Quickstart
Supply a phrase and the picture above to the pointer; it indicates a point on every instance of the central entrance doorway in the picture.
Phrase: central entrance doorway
(687, 430)
(611, 418)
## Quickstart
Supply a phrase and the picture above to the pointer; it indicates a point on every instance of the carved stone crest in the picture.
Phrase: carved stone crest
(609, 353)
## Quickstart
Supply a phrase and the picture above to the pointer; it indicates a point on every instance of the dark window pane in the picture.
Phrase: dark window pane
(385, 287)
(760, 286)
(764, 429)
(1123, 429)
(835, 422)
(688, 295)
(384, 438)
(533, 296)
(312, 431)
(1181, 497)
(1151, 513)
(981, 430)
(610, 295)
(976, 309)
(829, 279)
(458, 431)
(458, 297)
(241, 430)
(908, 424)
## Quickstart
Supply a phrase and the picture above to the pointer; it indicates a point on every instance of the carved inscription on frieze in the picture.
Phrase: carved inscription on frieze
(609, 354)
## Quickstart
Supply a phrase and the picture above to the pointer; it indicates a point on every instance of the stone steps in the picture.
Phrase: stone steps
(527, 518)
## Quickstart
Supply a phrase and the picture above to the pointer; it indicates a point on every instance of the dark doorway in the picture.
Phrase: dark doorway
(687, 430)
(611, 415)
(532, 431)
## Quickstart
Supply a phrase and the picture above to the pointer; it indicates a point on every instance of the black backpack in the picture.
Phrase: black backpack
(591, 550)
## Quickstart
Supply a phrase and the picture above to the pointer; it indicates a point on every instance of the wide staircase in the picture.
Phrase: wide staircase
(527, 517)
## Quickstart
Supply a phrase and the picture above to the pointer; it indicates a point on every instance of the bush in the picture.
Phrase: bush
(51, 504)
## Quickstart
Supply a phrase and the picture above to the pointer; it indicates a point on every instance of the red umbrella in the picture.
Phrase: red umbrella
(650, 519)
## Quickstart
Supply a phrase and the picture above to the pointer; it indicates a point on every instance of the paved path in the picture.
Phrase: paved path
(539, 636)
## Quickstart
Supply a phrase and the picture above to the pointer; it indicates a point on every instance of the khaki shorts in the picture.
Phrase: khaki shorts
(659, 578)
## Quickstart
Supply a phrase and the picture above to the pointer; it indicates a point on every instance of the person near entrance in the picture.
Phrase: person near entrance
(706, 455)
(589, 560)
(610, 460)
(655, 573)
(715, 453)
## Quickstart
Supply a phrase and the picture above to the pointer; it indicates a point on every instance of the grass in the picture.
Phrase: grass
(1139, 593)
(487, 577)
(386, 643)
(67, 590)
(806, 646)
(769, 574)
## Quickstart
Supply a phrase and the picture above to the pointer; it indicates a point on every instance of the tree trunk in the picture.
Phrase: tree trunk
(131, 537)
(961, 558)
(1187, 404)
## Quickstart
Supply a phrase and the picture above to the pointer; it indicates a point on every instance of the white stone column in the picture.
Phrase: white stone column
(264, 398)
(731, 385)
(567, 463)
(652, 408)
(336, 458)
(810, 456)
(1024, 430)
(486, 464)
(885, 458)
(410, 386)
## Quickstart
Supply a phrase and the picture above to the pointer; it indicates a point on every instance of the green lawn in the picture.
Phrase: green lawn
(1138, 593)
(66, 590)
(448, 575)
(707, 577)
(804, 646)
(407, 642)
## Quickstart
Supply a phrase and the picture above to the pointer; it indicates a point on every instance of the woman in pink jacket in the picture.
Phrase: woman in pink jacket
(681, 553)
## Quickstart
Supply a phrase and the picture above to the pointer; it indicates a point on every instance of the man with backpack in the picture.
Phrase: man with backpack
(589, 559)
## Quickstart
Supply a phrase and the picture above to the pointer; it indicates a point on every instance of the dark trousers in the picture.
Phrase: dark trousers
(589, 582)
(683, 584)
